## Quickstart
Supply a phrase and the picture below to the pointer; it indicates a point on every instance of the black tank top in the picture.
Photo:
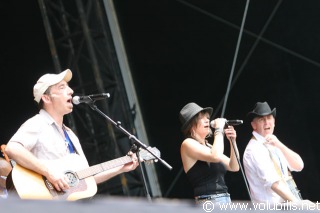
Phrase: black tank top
(207, 178)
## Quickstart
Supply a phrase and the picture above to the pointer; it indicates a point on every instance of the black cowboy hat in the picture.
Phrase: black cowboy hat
(189, 111)
(261, 109)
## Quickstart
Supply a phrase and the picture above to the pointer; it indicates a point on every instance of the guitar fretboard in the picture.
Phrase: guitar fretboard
(103, 167)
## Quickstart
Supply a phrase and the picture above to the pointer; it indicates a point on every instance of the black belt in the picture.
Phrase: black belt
(211, 197)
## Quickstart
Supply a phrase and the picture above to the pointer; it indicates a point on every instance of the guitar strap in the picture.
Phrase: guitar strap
(69, 143)
(289, 180)
(273, 157)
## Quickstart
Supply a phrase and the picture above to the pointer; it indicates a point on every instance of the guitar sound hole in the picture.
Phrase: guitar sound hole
(73, 179)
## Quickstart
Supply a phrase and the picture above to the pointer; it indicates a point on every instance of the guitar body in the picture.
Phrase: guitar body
(31, 185)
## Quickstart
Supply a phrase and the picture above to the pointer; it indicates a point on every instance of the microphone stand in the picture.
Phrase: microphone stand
(136, 144)
(239, 163)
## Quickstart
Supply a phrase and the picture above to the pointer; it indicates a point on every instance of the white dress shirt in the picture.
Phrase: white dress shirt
(260, 169)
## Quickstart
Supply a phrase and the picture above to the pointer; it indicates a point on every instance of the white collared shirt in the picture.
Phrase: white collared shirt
(40, 135)
(260, 170)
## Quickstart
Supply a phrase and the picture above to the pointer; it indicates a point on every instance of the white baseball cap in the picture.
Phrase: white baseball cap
(48, 80)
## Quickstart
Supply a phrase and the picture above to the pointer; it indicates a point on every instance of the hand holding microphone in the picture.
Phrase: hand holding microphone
(226, 123)
(226, 126)
(218, 123)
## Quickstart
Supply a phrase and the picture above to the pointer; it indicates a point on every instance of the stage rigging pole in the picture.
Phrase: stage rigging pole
(228, 90)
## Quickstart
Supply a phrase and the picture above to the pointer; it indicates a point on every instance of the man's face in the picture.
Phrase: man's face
(61, 97)
(263, 125)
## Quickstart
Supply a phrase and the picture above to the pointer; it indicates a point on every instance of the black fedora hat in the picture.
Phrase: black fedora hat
(189, 111)
(261, 109)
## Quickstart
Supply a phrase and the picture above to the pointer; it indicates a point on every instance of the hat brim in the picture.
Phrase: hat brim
(252, 115)
(206, 109)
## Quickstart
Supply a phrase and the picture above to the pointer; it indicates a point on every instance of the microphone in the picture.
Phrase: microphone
(229, 123)
(89, 98)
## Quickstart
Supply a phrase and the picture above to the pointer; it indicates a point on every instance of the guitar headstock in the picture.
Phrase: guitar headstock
(146, 156)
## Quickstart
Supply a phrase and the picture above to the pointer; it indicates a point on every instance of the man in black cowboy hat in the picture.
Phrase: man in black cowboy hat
(267, 161)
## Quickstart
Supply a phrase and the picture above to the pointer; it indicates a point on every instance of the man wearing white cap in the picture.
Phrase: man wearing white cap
(44, 137)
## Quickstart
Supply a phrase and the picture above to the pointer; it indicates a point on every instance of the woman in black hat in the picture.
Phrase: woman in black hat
(205, 164)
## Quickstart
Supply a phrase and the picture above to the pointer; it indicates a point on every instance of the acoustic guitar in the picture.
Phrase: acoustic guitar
(31, 185)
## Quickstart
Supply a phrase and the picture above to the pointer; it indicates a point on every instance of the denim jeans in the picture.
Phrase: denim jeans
(214, 198)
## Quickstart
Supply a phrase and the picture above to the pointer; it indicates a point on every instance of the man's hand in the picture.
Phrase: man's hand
(132, 165)
(58, 179)
(272, 140)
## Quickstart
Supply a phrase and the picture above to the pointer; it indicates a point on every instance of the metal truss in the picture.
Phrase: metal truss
(80, 39)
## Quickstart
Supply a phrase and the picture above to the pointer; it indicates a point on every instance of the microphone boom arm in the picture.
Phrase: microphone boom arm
(131, 136)
(136, 142)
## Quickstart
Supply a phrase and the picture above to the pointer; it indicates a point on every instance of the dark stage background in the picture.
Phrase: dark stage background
(183, 51)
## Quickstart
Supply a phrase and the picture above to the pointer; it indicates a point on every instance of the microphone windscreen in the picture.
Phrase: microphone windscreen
(75, 100)
(212, 123)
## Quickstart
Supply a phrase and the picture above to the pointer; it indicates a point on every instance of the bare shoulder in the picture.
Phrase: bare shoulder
(188, 143)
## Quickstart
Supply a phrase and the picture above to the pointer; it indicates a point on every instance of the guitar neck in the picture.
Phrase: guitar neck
(92, 170)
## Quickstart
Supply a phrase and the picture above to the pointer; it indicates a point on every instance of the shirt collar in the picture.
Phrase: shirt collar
(49, 119)
(258, 137)
(47, 116)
